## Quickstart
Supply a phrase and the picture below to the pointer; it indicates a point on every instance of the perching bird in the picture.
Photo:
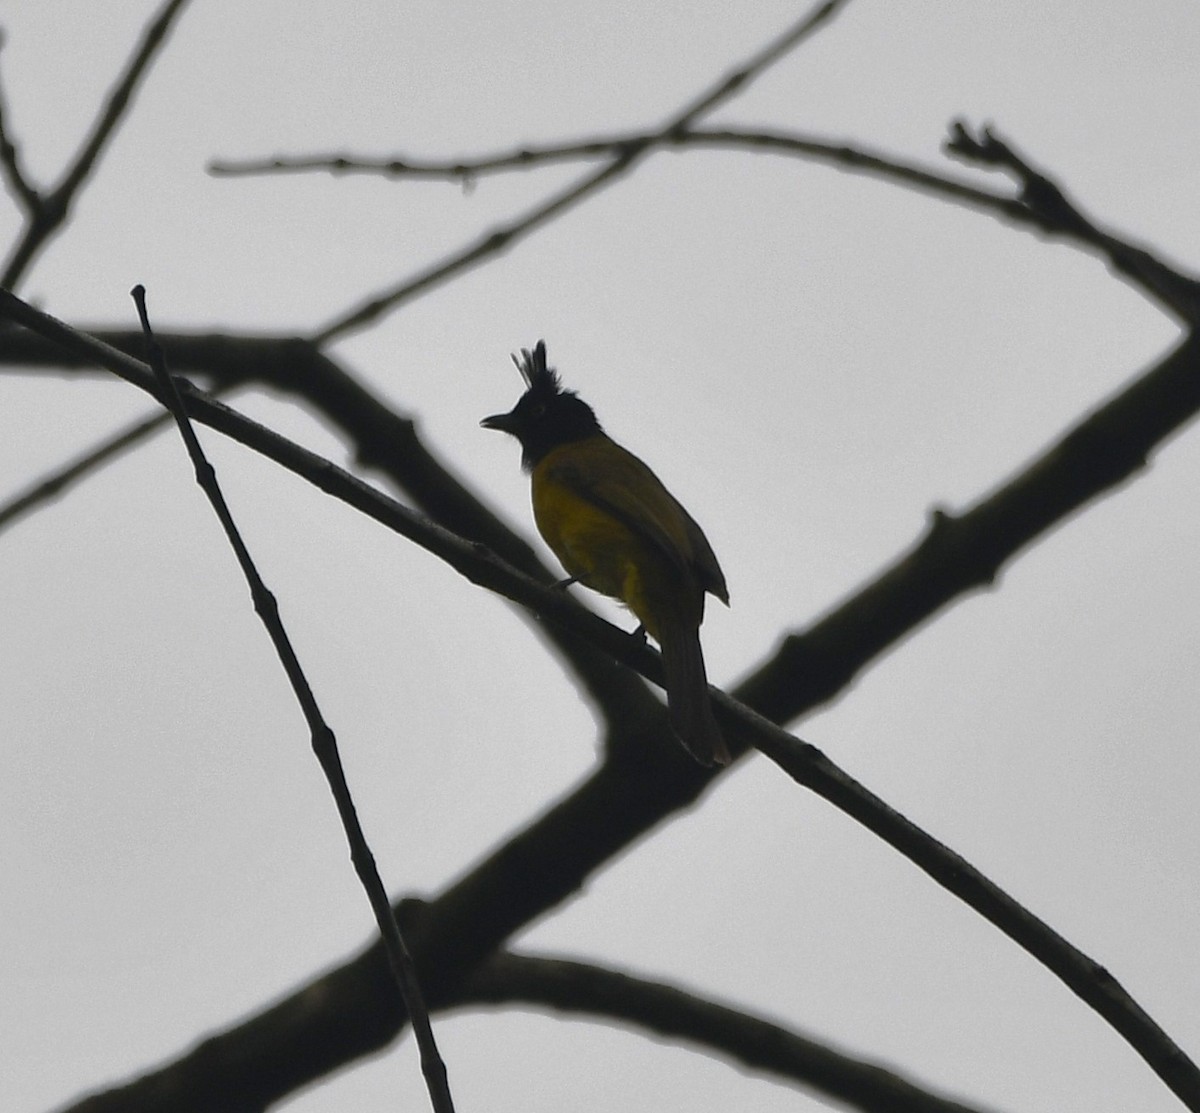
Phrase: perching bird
(619, 531)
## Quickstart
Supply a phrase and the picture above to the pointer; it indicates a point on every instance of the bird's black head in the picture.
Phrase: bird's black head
(545, 416)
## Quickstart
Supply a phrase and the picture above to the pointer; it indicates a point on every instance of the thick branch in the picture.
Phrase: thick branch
(563, 858)
(379, 438)
(967, 551)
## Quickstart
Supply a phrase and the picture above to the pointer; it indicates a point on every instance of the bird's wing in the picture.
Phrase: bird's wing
(628, 490)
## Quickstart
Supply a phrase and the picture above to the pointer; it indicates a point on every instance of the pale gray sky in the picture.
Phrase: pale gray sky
(851, 355)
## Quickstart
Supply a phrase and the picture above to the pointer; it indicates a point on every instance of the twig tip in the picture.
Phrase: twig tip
(138, 293)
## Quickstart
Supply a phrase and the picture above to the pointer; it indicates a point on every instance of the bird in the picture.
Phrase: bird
(616, 529)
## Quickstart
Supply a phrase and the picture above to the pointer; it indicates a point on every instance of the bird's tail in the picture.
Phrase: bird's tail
(687, 693)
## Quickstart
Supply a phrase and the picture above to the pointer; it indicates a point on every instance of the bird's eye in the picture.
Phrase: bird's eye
(538, 411)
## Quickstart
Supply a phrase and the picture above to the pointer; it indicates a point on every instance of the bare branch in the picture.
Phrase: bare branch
(500, 238)
(380, 439)
(738, 79)
(324, 743)
(75, 471)
(958, 555)
(15, 177)
(1043, 203)
(468, 170)
(119, 98)
(493, 242)
(1090, 981)
(465, 171)
(753, 1042)
(525, 157)
(614, 148)
(48, 212)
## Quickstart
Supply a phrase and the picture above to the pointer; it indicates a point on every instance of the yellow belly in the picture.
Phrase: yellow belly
(597, 549)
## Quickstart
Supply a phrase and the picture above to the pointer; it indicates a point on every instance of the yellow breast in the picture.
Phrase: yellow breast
(595, 547)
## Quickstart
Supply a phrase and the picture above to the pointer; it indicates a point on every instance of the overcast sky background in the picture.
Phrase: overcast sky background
(810, 360)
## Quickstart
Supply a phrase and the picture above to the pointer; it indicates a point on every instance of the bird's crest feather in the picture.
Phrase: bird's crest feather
(534, 371)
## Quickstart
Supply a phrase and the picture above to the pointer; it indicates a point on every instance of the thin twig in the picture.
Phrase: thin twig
(469, 170)
(324, 743)
(493, 242)
(585, 988)
(51, 486)
(963, 551)
(381, 440)
(525, 157)
(1041, 204)
(17, 179)
(464, 171)
(48, 212)
(1044, 203)
(503, 236)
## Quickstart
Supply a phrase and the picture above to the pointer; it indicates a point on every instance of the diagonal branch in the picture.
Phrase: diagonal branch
(755, 1043)
(381, 439)
(502, 237)
(1087, 462)
(48, 212)
(51, 486)
(15, 177)
(495, 241)
(966, 551)
(1044, 204)
(324, 743)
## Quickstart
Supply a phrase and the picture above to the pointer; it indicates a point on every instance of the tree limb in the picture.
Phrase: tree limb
(19, 183)
(379, 438)
(48, 212)
(53, 485)
(581, 988)
(1041, 204)
(1086, 462)
(324, 742)
(500, 238)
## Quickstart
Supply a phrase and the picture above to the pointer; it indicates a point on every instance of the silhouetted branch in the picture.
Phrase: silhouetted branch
(381, 439)
(579, 988)
(1041, 205)
(324, 743)
(502, 237)
(465, 171)
(15, 177)
(74, 471)
(48, 212)
(960, 552)
(304, 1036)
(958, 555)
